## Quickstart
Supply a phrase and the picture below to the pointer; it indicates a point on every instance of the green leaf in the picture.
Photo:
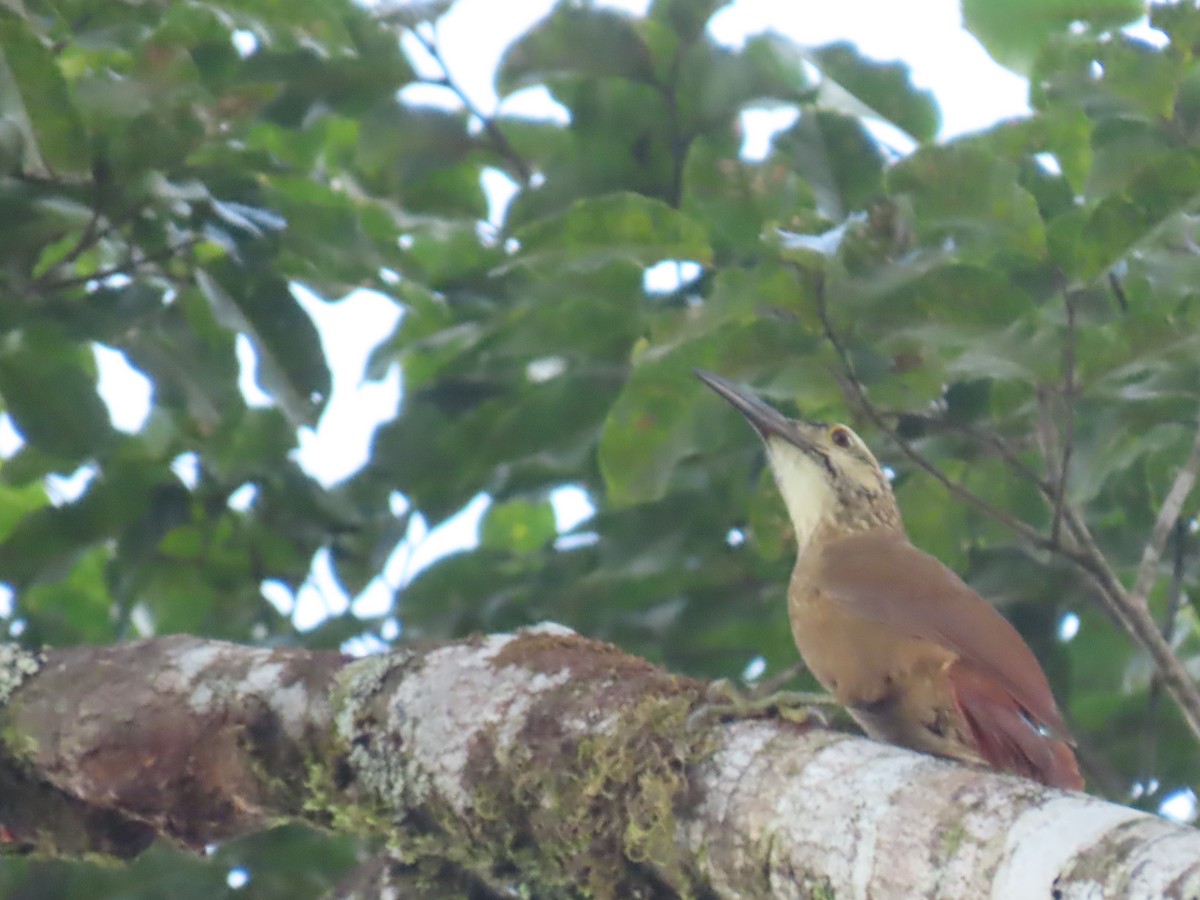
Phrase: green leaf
(972, 299)
(46, 543)
(653, 424)
(737, 201)
(1064, 131)
(714, 84)
(451, 597)
(519, 526)
(292, 366)
(444, 253)
(936, 522)
(460, 438)
(328, 246)
(616, 228)
(769, 522)
(48, 387)
(34, 96)
(1102, 455)
(423, 155)
(1180, 22)
(575, 41)
(74, 609)
(686, 18)
(1015, 31)
(837, 157)
(960, 192)
(860, 87)
(18, 502)
(649, 430)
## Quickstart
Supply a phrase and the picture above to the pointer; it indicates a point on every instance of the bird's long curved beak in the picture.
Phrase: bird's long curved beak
(767, 420)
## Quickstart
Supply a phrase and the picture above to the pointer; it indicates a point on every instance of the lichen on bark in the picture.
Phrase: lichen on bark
(16, 666)
(561, 763)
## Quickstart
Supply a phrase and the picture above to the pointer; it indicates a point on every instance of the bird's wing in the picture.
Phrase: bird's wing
(884, 578)
(1004, 736)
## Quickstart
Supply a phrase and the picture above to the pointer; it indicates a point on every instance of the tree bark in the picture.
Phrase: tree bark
(539, 761)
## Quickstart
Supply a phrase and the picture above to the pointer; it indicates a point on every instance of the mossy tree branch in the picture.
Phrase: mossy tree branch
(539, 760)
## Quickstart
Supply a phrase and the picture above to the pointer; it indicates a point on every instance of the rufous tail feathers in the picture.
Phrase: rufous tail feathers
(1005, 735)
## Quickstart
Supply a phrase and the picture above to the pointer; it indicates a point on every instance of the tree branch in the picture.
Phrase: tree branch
(1135, 620)
(1172, 506)
(498, 138)
(128, 267)
(545, 763)
(1132, 613)
(1067, 396)
(984, 438)
(1154, 695)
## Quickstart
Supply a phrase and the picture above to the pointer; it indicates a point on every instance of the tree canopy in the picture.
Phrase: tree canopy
(1009, 318)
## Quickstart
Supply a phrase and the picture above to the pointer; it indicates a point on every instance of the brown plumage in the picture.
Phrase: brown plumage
(916, 656)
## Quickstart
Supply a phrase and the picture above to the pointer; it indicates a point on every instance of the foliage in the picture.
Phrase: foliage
(1020, 299)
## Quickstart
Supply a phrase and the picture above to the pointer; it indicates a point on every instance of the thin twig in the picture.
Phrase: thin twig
(91, 235)
(1154, 696)
(125, 268)
(678, 143)
(1118, 290)
(986, 438)
(1047, 437)
(1067, 396)
(494, 132)
(86, 239)
(955, 489)
(1135, 620)
(1185, 480)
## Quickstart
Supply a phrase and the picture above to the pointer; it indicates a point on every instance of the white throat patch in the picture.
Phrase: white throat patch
(803, 486)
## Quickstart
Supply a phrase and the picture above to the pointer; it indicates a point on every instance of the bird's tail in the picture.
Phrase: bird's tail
(1005, 734)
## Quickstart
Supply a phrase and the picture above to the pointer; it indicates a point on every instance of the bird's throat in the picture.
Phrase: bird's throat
(804, 486)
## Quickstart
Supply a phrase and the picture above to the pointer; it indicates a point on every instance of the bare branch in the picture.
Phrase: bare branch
(1185, 480)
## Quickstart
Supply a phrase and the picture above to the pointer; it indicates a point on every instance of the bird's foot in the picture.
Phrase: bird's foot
(725, 701)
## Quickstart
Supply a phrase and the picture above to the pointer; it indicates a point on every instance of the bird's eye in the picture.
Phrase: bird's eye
(840, 436)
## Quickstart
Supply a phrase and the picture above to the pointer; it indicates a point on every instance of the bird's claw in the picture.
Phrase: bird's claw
(724, 701)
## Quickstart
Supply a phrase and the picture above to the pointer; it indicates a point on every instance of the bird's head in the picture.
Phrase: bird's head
(827, 476)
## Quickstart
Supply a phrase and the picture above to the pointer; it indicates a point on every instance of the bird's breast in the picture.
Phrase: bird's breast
(894, 686)
(859, 661)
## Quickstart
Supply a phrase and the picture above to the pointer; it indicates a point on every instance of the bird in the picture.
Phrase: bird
(916, 657)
